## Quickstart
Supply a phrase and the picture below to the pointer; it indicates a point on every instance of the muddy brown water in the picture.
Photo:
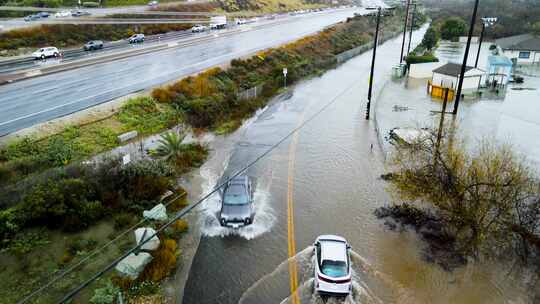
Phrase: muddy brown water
(336, 189)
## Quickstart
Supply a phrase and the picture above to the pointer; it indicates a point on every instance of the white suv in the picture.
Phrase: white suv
(45, 52)
(332, 266)
(136, 38)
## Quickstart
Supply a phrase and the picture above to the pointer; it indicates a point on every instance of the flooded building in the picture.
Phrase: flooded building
(447, 76)
(499, 69)
(523, 49)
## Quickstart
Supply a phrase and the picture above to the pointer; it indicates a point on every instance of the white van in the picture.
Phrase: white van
(45, 52)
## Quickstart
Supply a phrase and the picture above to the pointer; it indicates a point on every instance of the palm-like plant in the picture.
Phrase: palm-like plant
(170, 146)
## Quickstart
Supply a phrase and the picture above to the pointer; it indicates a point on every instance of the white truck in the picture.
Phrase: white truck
(218, 22)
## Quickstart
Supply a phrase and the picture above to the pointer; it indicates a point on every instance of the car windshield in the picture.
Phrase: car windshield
(334, 268)
(235, 195)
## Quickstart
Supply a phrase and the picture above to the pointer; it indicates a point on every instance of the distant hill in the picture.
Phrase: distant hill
(515, 16)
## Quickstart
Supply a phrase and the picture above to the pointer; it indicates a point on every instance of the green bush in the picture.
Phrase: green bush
(9, 224)
(65, 203)
(412, 59)
(106, 294)
(452, 28)
(145, 180)
(90, 4)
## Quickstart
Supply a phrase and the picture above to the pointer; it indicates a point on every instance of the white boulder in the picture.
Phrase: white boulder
(132, 265)
(152, 244)
(158, 213)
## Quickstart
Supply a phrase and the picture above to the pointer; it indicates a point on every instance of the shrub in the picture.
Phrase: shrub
(412, 59)
(180, 226)
(123, 220)
(60, 203)
(162, 95)
(90, 4)
(142, 114)
(21, 148)
(106, 294)
(9, 223)
(145, 180)
(163, 263)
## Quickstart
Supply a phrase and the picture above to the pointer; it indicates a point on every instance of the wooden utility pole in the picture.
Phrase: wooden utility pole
(373, 62)
(464, 65)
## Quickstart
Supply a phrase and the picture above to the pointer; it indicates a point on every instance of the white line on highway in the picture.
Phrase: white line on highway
(233, 55)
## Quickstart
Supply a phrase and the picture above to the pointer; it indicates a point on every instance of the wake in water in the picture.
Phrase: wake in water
(262, 222)
(266, 289)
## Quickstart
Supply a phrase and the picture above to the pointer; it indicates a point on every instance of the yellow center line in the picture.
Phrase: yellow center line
(293, 269)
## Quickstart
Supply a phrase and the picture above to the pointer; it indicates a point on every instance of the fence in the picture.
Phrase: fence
(342, 57)
(250, 93)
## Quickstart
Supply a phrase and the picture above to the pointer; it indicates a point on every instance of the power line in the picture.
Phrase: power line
(188, 209)
(92, 254)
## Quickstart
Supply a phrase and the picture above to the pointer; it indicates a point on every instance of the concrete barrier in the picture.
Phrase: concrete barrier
(127, 136)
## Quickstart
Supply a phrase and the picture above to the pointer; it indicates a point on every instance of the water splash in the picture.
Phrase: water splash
(275, 282)
(262, 222)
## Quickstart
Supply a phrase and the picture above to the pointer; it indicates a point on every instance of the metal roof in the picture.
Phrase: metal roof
(499, 61)
(451, 69)
(525, 42)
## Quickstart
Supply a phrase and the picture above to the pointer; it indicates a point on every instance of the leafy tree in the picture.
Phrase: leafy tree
(430, 39)
(536, 28)
(452, 28)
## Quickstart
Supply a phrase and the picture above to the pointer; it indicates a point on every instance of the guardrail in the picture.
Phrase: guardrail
(7, 66)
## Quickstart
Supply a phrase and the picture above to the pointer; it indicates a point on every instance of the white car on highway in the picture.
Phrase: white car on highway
(62, 14)
(332, 266)
(198, 29)
(45, 52)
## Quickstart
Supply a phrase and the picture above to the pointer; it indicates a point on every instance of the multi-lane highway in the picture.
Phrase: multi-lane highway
(25, 103)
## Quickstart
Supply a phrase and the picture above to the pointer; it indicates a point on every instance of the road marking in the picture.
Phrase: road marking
(293, 268)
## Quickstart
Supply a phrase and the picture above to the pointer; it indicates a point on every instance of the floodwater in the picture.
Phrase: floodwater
(332, 175)
(511, 117)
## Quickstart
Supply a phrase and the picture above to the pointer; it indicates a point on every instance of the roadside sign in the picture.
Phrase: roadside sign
(126, 159)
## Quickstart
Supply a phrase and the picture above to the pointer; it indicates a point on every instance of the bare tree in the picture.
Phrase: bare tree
(488, 195)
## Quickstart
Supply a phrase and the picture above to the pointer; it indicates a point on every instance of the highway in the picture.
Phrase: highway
(40, 99)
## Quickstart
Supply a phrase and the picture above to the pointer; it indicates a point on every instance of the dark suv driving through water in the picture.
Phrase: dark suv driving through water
(237, 203)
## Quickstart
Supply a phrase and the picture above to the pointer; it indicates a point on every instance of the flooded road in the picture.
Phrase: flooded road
(324, 180)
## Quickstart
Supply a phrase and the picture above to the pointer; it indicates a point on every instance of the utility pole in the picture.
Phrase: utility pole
(441, 123)
(485, 23)
(412, 26)
(373, 62)
(464, 65)
(404, 31)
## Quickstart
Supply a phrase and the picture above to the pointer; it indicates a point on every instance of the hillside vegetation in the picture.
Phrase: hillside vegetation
(515, 16)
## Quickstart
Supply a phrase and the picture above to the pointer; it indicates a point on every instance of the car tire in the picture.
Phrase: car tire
(55, 54)
(42, 57)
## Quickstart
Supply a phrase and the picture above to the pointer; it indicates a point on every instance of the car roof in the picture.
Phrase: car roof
(333, 250)
(331, 237)
(240, 179)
